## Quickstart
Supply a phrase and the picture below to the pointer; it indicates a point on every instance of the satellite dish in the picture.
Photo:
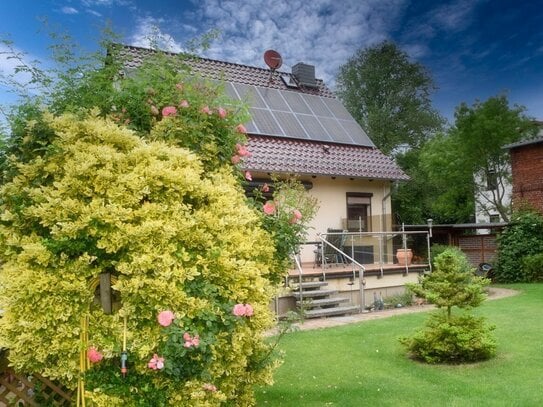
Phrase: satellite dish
(273, 59)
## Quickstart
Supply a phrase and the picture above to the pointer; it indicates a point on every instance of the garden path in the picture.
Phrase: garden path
(494, 293)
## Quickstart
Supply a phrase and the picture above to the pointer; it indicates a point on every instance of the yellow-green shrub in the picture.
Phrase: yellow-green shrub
(101, 199)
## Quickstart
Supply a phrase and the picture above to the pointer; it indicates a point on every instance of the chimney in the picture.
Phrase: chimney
(305, 74)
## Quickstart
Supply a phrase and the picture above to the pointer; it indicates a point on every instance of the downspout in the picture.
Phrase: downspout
(383, 238)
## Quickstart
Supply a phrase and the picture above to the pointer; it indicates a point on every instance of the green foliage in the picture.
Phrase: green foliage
(450, 181)
(389, 96)
(479, 135)
(452, 282)
(532, 267)
(437, 249)
(139, 177)
(459, 339)
(449, 338)
(103, 200)
(522, 237)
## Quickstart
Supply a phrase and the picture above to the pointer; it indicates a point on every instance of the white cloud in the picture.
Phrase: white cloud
(148, 34)
(324, 33)
(69, 10)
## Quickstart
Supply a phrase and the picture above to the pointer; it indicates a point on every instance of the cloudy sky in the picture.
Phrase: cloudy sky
(474, 49)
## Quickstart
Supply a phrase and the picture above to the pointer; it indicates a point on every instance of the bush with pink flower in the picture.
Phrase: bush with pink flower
(144, 188)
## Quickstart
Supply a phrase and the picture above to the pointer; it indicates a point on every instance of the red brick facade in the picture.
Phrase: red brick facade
(527, 171)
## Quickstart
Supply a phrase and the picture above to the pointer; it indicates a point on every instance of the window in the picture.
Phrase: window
(494, 218)
(491, 180)
(358, 212)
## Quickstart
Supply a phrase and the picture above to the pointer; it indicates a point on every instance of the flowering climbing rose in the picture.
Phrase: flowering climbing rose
(240, 128)
(269, 208)
(156, 362)
(93, 355)
(190, 341)
(165, 318)
(184, 103)
(169, 111)
(248, 176)
(206, 110)
(235, 159)
(243, 310)
(221, 112)
(242, 150)
(296, 216)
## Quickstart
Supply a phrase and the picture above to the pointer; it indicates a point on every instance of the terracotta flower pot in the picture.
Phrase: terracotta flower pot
(404, 256)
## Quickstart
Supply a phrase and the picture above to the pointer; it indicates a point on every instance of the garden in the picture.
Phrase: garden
(136, 271)
(364, 363)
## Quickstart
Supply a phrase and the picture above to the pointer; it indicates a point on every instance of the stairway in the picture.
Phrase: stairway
(315, 300)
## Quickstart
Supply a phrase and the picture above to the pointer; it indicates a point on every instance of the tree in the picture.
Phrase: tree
(481, 131)
(449, 181)
(389, 96)
(450, 338)
(137, 182)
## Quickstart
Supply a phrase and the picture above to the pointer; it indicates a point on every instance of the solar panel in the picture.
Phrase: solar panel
(292, 114)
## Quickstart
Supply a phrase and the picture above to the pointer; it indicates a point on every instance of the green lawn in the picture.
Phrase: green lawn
(364, 365)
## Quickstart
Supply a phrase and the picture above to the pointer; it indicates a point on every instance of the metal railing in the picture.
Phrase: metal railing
(356, 267)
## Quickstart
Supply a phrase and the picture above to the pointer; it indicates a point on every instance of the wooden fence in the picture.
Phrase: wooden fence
(31, 390)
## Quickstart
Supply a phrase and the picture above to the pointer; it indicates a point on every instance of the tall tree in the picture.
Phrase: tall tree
(480, 132)
(389, 96)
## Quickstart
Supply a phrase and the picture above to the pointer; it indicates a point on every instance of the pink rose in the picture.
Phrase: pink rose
(243, 310)
(242, 150)
(269, 208)
(209, 387)
(240, 128)
(236, 159)
(206, 110)
(239, 310)
(184, 103)
(221, 112)
(248, 176)
(248, 310)
(296, 216)
(165, 318)
(265, 188)
(156, 363)
(190, 341)
(93, 355)
(169, 111)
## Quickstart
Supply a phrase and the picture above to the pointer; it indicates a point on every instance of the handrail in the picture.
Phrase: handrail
(300, 272)
(361, 268)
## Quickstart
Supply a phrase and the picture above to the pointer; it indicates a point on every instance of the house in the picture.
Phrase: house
(299, 128)
(527, 171)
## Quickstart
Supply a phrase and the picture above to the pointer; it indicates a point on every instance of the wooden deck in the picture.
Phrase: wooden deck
(341, 270)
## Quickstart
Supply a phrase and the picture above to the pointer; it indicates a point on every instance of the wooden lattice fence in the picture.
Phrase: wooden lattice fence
(31, 390)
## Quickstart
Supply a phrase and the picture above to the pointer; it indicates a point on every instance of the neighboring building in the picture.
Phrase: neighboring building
(300, 128)
(527, 172)
(492, 188)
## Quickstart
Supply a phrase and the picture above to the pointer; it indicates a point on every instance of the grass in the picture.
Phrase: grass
(363, 364)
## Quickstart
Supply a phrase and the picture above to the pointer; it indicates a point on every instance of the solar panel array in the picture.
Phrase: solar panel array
(298, 115)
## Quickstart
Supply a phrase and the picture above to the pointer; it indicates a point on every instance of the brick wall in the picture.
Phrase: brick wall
(478, 248)
(527, 170)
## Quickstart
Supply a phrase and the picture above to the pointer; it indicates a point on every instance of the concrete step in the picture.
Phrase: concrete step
(314, 293)
(328, 312)
(321, 303)
(309, 284)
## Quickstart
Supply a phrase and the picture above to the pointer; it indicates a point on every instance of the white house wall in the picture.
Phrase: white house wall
(331, 194)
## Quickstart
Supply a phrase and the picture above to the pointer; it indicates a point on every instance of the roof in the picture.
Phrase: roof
(305, 157)
(284, 139)
(227, 71)
(523, 143)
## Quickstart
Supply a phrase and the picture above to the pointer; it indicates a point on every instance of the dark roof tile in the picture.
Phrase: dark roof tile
(302, 157)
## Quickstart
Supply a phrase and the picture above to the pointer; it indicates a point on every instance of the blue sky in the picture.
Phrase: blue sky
(474, 49)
